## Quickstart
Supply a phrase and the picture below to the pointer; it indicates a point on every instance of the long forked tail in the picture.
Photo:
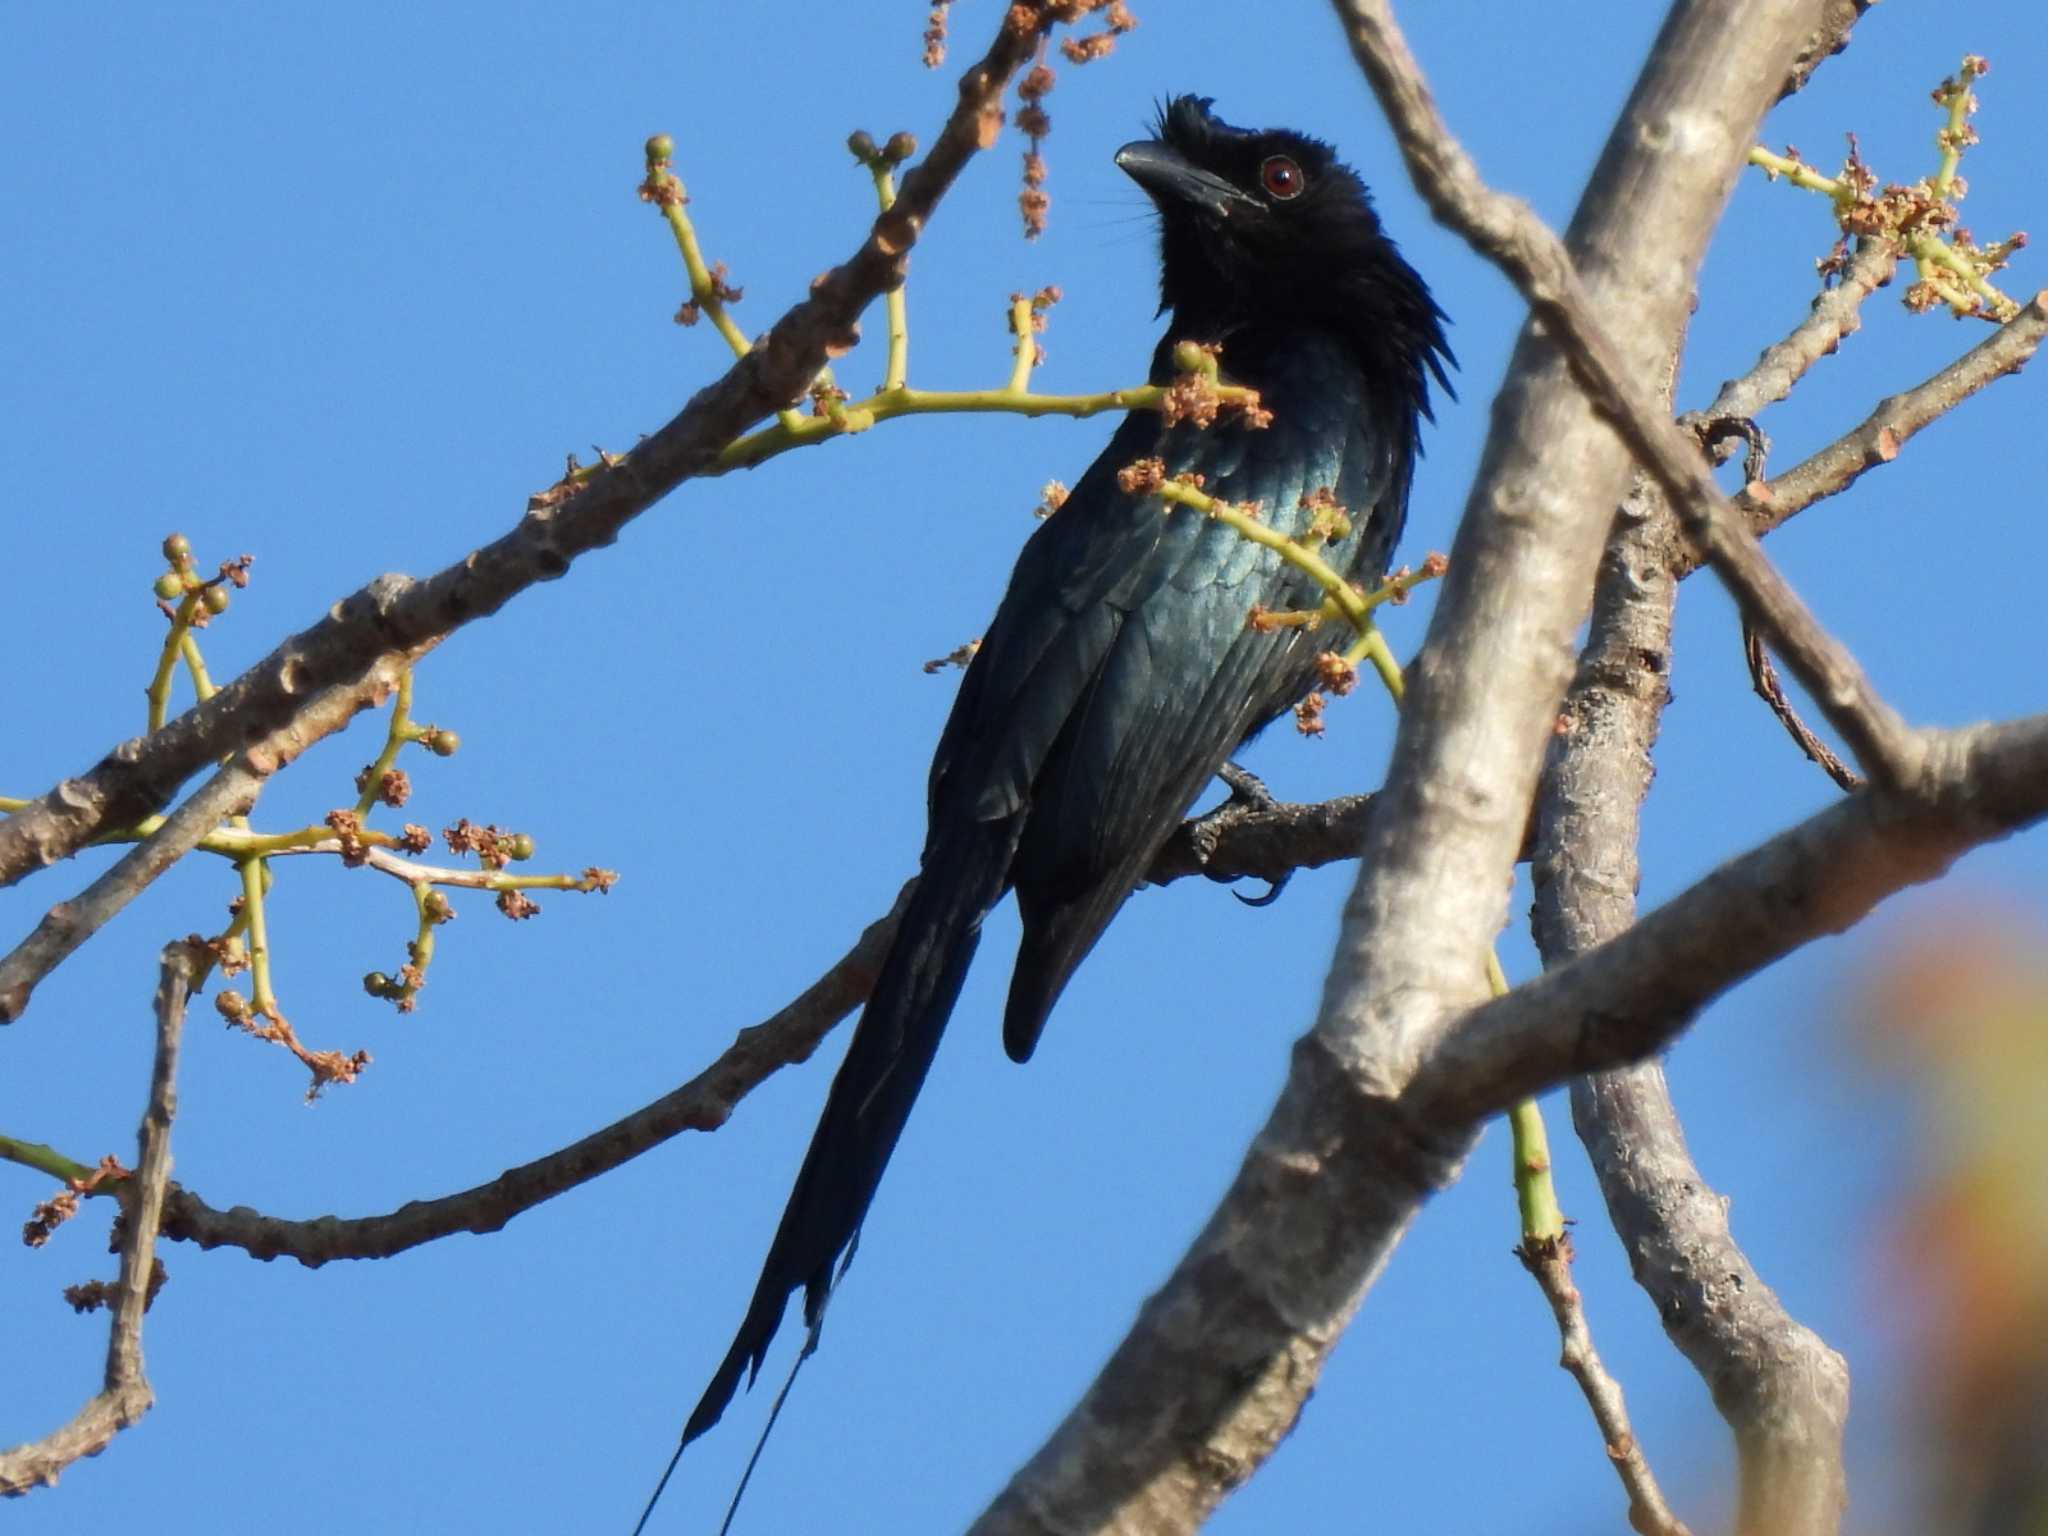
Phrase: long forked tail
(965, 873)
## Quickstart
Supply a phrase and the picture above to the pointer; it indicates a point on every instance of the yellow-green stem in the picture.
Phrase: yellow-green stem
(1356, 608)
(255, 881)
(1535, 1192)
(758, 447)
(897, 373)
(1800, 174)
(1026, 356)
(396, 735)
(195, 666)
(703, 289)
(1372, 646)
(1951, 139)
(159, 690)
(46, 1159)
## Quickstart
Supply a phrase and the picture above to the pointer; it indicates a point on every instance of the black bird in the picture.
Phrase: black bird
(1119, 673)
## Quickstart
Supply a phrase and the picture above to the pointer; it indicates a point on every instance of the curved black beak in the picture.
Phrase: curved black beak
(1166, 175)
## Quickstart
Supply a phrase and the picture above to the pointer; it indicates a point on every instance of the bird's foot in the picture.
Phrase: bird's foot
(1248, 796)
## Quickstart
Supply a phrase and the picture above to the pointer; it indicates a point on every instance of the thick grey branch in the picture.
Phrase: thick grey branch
(1784, 1392)
(1829, 37)
(1633, 995)
(397, 617)
(125, 1393)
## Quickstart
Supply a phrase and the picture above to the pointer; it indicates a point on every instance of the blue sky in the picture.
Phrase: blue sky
(341, 293)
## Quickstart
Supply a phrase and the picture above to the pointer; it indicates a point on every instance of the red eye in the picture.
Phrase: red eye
(1281, 178)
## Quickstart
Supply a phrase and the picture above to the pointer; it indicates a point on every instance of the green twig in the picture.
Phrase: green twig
(255, 882)
(708, 289)
(1956, 135)
(897, 372)
(159, 690)
(1348, 598)
(1535, 1192)
(1920, 220)
(47, 1159)
(400, 731)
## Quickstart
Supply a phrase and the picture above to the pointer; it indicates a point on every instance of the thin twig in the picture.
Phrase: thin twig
(1764, 677)
(1834, 315)
(1550, 1261)
(230, 792)
(704, 1103)
(125, 1394)
(1878, 439)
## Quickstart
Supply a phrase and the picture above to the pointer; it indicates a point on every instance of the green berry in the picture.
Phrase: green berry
(443, 743)
(215, 598)
(901, 147)
(660, 148)
(177, 548)
(520, 847)
(170, 586)
(377, 984)
(861, 144)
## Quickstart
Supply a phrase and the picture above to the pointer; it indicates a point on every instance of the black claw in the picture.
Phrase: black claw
(1272, 895)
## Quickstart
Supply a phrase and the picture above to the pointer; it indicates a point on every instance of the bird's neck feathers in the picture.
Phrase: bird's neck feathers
(1365, 296)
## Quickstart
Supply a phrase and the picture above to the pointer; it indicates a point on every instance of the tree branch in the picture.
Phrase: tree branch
(1896, 418)
(1834, 315)
(1782, 1390)
(704, 1103)
(125, 1394)
(1828, 38)
(395, 618)
(231, 791)
(1549, 1260)
(1631, 996)
(1265, 844)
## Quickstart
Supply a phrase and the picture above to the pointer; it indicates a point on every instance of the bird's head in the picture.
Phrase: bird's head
(1269, 225)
